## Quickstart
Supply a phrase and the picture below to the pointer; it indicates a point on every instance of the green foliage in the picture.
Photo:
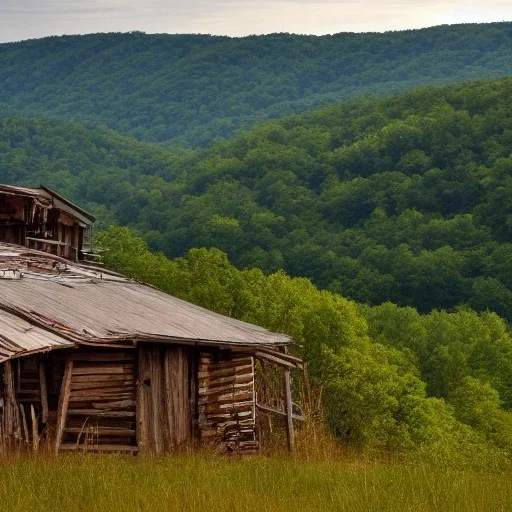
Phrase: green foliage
(406, 199)
(194, 89)
(390, 378)
(447, 347)
(478, 405)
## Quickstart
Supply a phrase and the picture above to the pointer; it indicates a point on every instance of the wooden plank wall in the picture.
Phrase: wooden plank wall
(155, 400)
(226, 401)
(13, 219)
(97, 401)
(165, 399)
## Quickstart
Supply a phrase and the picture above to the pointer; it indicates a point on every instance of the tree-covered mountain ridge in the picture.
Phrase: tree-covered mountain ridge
(405, 199)
(193, 89)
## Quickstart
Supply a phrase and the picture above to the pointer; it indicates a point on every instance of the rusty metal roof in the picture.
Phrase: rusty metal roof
(80, 304)
(24, 191)
(18, 337)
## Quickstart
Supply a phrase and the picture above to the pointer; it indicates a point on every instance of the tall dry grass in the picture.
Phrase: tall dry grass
(205, 483)
(319, 476)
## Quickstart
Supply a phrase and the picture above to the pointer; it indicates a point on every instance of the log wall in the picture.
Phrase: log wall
(226, 402)
(155, 399)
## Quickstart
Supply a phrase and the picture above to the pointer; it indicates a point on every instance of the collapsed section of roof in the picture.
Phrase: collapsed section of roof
(47, 302)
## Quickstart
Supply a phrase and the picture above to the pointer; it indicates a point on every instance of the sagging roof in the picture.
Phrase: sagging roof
(49, 197)
(19, 337)
(64, 302)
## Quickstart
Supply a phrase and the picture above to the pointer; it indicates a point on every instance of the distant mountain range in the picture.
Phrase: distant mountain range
(193, 89)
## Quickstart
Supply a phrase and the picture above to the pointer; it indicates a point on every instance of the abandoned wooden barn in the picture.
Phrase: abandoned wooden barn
(90, 359)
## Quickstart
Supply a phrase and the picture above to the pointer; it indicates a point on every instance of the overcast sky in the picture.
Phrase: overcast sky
(24, 19)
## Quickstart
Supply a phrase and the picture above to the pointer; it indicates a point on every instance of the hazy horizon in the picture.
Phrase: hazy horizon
(33, 19)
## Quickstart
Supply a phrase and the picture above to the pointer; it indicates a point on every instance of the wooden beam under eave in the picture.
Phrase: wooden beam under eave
(273, 410)
(275, 358)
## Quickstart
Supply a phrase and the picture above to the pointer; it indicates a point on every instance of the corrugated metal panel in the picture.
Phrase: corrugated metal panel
(18, 337)
(99, 307)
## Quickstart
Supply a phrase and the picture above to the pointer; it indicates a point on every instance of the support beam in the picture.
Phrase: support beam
(24, 424)
(276, 359)
(273, 410)
(283, 356)
(35, 431)
(63, 403)
(288, 408)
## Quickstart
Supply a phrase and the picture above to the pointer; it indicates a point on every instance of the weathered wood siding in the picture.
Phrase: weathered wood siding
(226, 401)
(165, 399)
(156, 399)
(96, 409)
(10, 425)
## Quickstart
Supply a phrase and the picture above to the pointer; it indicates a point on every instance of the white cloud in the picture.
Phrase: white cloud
(22, 19)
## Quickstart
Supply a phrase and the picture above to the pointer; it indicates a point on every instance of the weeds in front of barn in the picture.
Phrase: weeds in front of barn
(319, 476)
(204, 482)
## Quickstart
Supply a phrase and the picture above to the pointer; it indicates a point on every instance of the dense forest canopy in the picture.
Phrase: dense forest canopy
(193, 89)
(407, 199)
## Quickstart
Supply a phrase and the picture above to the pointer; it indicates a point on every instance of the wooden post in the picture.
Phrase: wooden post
(35, 430)
(24, 424)
(288, 408)
(63, 403)
(43, 392)
(157, 401)
(10, 402)
(76, 241)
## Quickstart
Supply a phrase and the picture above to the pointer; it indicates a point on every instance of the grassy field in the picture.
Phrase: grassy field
(197, 483)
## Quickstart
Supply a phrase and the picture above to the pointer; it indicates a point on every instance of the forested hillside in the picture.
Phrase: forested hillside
(407, 199)
(192, 89)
